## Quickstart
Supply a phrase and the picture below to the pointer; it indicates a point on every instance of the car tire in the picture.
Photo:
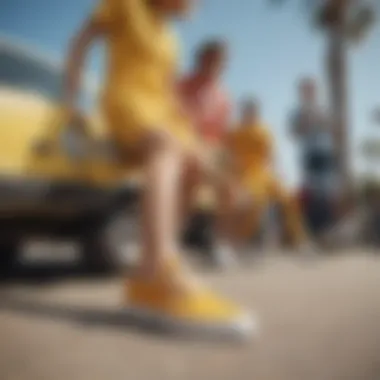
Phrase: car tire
(8, 257)
(112, 247)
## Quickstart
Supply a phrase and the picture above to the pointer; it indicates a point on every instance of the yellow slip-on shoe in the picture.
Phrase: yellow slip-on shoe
(197, 311)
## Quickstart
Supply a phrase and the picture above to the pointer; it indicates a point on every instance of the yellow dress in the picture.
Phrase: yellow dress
(141, 63)
(251, 148)
(137, 99)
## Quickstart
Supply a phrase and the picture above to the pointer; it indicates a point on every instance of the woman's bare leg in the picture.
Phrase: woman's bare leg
(159, 206)
(160, 289)
(293, 220)
(295, 227)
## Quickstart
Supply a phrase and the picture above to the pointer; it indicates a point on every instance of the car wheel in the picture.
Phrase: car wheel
(8, 257)
(113, 246)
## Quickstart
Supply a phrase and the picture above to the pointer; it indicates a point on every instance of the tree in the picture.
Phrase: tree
(345, 22)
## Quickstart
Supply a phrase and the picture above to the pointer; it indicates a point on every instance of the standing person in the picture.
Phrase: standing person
(144, 118)
(207, 103)
(311, 128)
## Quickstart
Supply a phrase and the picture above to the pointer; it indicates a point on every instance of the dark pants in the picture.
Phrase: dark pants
(319, 213)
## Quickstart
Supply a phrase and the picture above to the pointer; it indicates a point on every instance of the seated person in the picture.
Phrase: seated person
(254, 186)
(203, 94)
(144, 117)
(207, 103)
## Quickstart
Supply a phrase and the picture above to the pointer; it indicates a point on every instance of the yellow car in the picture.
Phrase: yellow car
(62, 181)
(56, 180)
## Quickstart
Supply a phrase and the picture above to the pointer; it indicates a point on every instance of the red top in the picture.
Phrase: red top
(209, 106)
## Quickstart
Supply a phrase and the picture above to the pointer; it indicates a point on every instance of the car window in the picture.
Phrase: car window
(23, 70)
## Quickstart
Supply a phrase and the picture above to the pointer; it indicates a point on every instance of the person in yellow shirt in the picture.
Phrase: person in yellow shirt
(143, 115)
(254, 186)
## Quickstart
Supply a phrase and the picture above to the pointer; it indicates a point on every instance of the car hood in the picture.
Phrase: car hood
(23, 117)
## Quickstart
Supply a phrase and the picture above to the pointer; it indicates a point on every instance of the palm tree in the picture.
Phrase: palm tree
(345, 22)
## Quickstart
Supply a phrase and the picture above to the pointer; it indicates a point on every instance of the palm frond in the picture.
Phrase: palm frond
(362, 15)
(361, 20)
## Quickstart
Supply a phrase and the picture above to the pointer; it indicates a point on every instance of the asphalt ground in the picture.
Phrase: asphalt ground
(320, 320)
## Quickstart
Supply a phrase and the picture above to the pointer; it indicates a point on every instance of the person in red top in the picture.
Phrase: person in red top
(207, 103)
(203, 94)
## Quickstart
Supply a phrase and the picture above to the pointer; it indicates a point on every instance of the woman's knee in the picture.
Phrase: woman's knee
(157, 144)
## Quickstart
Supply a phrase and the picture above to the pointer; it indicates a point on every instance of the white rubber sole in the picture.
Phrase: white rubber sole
(241, 328)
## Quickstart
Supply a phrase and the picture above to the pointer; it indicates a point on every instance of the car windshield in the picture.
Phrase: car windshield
(22, 69)
(25, 71)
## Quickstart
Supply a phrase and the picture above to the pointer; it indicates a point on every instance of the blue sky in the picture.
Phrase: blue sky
(270, 49)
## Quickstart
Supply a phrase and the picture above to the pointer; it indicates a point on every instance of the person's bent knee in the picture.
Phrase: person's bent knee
(158, 141)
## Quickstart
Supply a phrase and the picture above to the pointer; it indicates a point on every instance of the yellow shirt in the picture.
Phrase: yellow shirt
(142, 62)
(250, 147)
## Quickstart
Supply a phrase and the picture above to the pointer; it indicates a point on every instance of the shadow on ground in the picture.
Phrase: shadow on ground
(88, 316)
(116, 318)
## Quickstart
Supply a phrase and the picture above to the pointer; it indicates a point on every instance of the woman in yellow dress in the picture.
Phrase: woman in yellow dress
(144, 117)
(250, 148)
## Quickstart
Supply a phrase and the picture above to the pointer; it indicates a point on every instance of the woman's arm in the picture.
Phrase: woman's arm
(76, 59)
